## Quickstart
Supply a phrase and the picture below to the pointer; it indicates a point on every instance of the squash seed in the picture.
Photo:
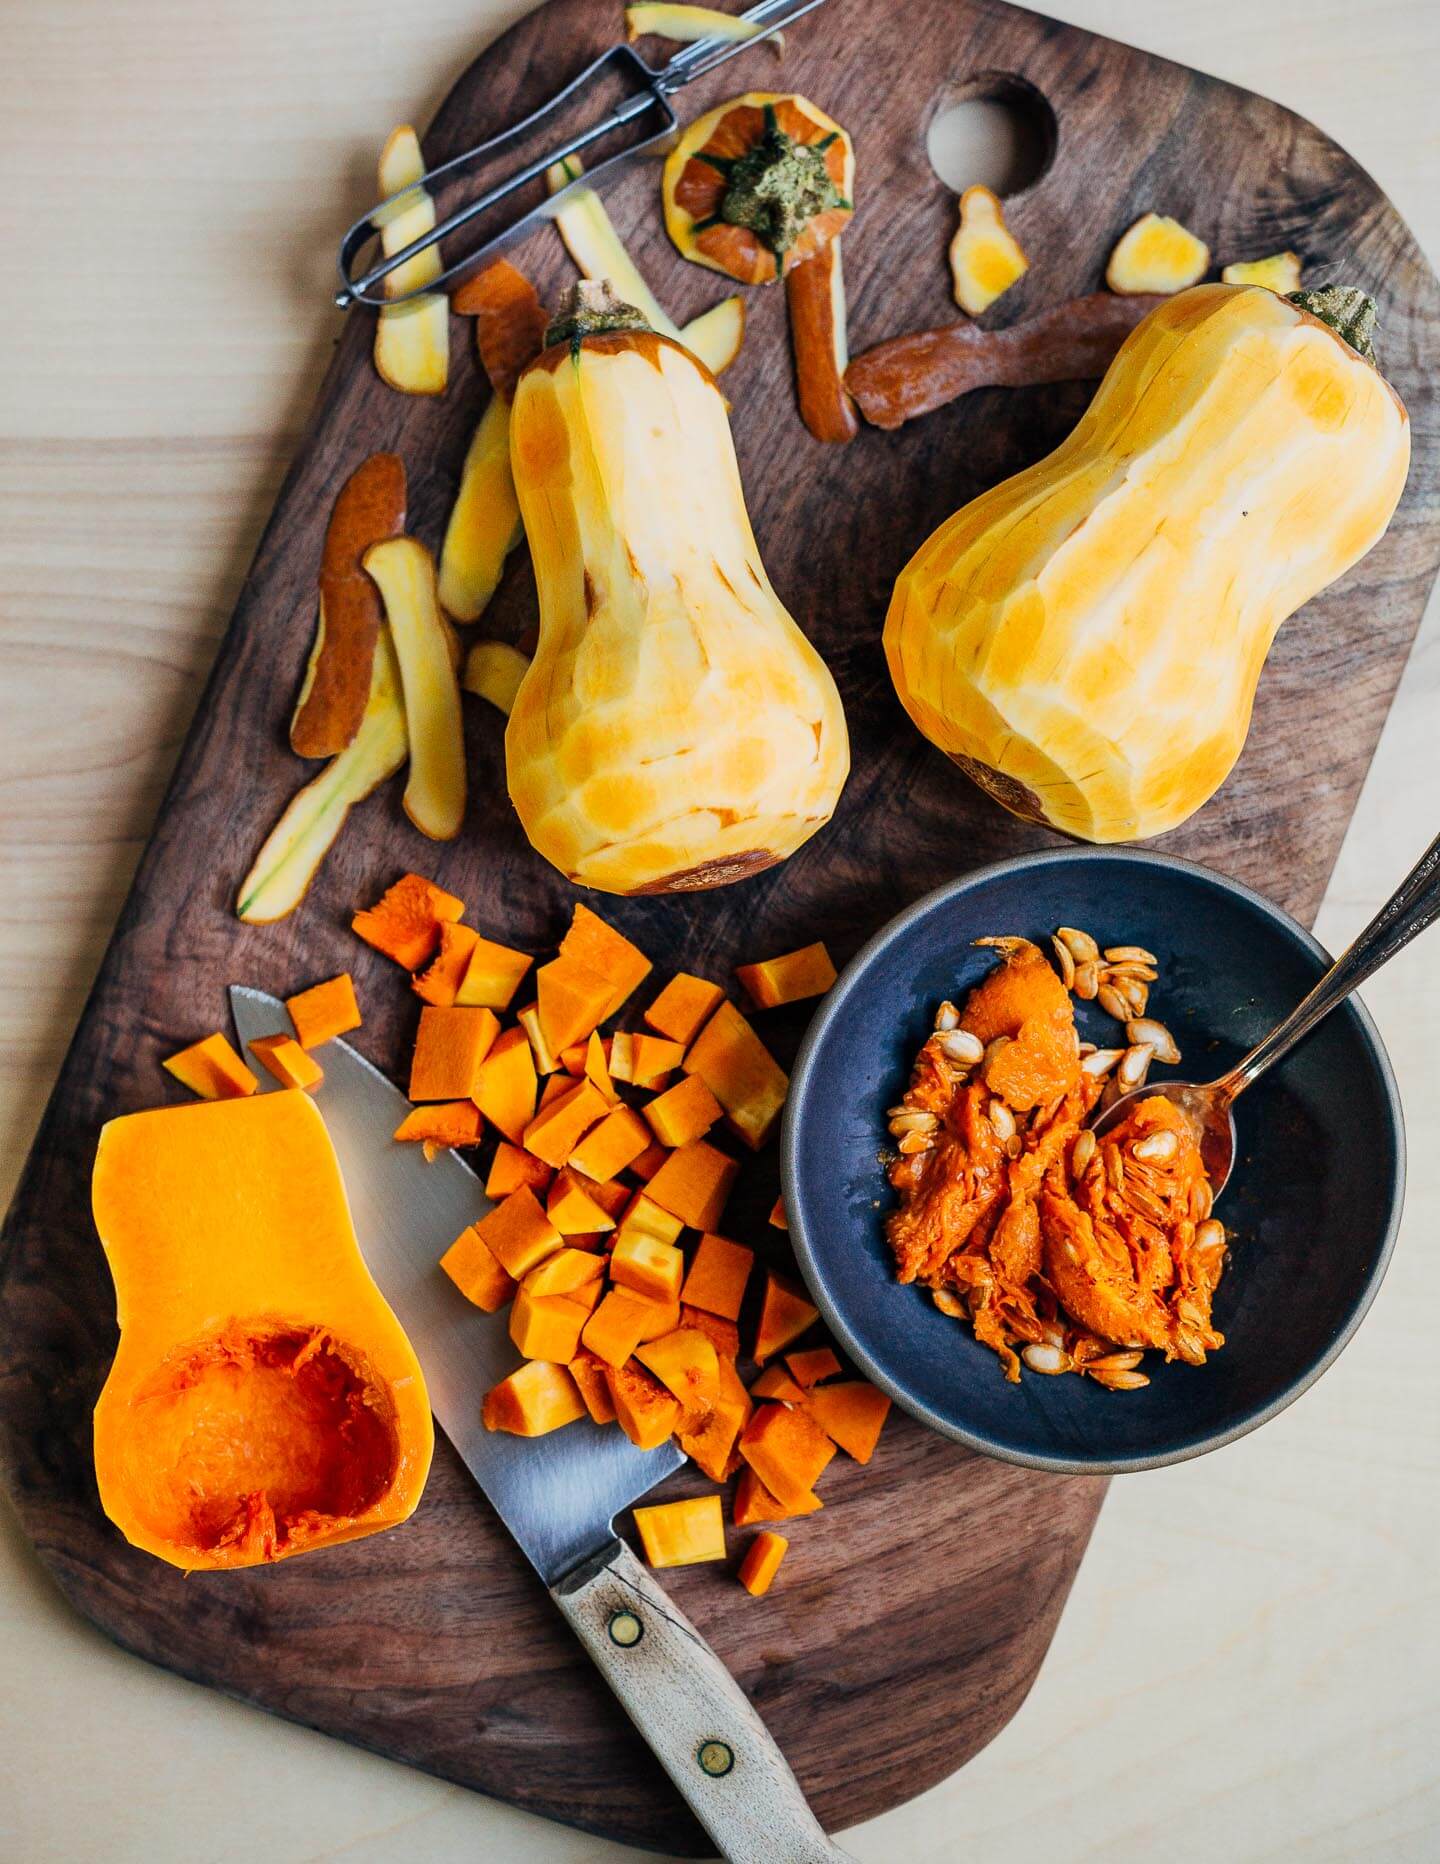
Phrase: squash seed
(1065, 958)
(1002, 1119)
(1082, 947)
(1043, 1357)
(1134, 1066)
(947, 1016)
(1117, 1381)
(1154, 1036)
(1132, 992)
(1115, 1362)
(1087, 980)
(1112, 1002)
(1156, 1148)
(959, 1046)
(1082, 1154)
(1098, 1064)
(912, 1120)
(913, 1143)
(949, 1303)
(1129, 954)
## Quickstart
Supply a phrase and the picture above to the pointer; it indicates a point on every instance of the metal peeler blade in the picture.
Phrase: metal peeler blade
(650, 97)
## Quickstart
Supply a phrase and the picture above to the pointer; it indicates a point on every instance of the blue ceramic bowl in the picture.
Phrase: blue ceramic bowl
(1312, 1206)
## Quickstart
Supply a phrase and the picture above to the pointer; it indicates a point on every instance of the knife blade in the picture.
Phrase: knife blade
(558, 1495)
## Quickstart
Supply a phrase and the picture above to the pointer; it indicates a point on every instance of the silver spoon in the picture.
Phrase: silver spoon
(1413, 906)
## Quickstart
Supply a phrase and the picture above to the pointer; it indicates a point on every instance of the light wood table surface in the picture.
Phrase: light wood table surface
(1249, 1667)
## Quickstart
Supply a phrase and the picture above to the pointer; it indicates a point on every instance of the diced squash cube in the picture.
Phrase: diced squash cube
(645, 1215)
(212, 1070)
(493, 975)
(723, 1334)
(506, 1094)
(784, 1315)
(534, 1400)
(450, 1047)
(617, 1325)
(649, 1161)
(787, 1450)
(546, 1326)
(559, 1127)
(567, 1271)
(684, 1112)
(693, 1184)
(644, 1410)
(741, 1073)
(555, 1085)
(611, 1145)
(573, 1209)
(611, 1195)
(572, 1000)
(661, 1317)
(601, 948)
(324, 1011)
(718, 1275)
(443, 1123)
(778, 1218)
(852, 1414)
(439, 984)
(597, 1067)
(406, 922)
(511, 1167)
(588, 1373)
(799, 974)
(809, 1368)
(283, 1057)
(572, 1059)
(622, 1056)
(754, 1502)
(589, 1294)
(685, 1363)
(648, 1265)
(682, 1533)
(775, 1382)
(472, 1266)
(709, 1441)
(519, 1233)
(652, 1059)
(762, 1562)
(546, 1061)
(682, 1007)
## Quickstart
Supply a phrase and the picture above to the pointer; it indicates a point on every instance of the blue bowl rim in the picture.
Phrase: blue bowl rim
(802, 1081)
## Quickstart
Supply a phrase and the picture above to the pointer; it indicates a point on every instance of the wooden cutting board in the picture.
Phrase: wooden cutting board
(914, 1613)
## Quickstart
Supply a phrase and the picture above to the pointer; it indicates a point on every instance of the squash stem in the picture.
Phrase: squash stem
(591, 308)
(1345, 309)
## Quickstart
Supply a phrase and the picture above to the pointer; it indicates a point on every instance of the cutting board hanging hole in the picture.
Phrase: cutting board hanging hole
(993, 130)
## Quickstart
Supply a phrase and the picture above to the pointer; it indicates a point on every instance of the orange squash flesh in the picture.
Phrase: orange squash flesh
(291, 1066)
(762, 1562)
(324, 1011)
(212, 1069)
(406, 922)
(851, 1414)
(718, 1274)
(784, 1316)
(440, 983)
(263, 1399)
(682, 1007)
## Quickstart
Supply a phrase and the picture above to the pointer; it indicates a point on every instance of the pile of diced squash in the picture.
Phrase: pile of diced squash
(608, 1197)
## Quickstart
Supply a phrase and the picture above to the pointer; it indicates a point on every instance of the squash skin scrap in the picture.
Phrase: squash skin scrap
(247, 1317)
(1085, 639)
(675, 730)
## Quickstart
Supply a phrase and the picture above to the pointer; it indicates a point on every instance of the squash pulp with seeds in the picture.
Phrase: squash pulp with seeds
(1085, 639)
(263, 1400)
(675, 729)
(759, 185)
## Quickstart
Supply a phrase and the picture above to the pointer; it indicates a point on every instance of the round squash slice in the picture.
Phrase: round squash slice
(264, 1400)
(758, 185)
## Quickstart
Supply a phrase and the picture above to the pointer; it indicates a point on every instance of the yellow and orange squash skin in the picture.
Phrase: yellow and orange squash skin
(263, 1400)
(1085, 639)
(675, 729)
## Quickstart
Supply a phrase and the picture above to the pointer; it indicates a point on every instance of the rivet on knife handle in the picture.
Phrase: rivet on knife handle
(693, 1713)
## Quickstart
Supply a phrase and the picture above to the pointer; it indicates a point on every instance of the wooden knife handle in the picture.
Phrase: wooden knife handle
(692, 1712)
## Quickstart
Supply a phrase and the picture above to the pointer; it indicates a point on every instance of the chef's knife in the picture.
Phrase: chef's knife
(559, 1494)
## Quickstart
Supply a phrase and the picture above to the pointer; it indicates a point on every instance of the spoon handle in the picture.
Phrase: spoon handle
(1414, 905)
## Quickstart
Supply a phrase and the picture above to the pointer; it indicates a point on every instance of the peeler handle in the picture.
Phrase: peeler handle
(698, 1720)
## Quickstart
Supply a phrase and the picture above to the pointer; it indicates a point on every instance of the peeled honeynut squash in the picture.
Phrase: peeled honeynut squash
(675, 729)
(1085, 639)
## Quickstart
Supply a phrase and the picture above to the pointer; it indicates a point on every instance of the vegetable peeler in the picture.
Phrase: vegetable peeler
(650, 92)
